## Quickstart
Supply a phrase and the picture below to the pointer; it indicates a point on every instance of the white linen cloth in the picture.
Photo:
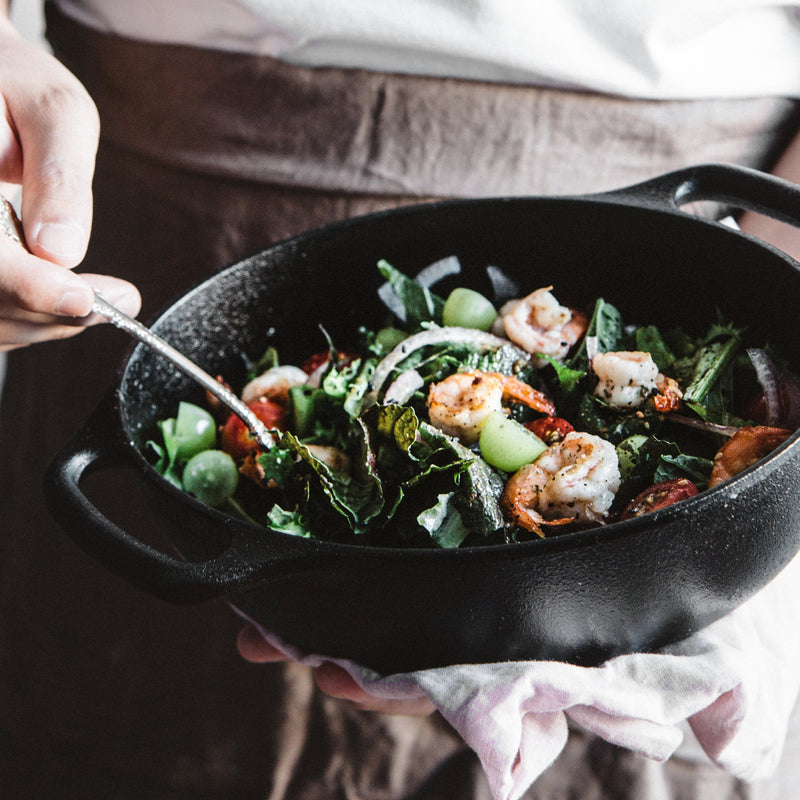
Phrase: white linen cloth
(735, 682)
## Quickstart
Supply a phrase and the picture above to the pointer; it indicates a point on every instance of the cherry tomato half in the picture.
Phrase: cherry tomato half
(551, 430)
(660, 495)
(317, 360)
(236, 439)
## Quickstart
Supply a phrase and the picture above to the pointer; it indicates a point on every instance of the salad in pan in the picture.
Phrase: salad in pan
(462, 424)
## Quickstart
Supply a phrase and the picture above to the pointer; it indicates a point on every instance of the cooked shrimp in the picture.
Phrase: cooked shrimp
(274, 384)
(626, 378)
(460, 404)
(629, 377)
(521, 498)
(572, 481)
(743, 449)
(539, 324)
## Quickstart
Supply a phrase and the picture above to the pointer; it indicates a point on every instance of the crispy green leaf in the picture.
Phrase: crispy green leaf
(165, 465)
(480, 487)
(358, 497)
(631, 452)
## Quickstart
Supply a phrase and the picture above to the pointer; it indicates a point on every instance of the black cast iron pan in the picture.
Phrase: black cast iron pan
(580, 597)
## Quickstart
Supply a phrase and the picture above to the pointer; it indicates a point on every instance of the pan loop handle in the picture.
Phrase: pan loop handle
(98, 447)
(730, 184)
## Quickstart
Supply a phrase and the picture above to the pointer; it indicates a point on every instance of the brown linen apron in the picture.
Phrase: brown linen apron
(206, 157)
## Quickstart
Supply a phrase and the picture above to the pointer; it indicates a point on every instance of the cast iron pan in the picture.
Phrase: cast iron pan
(580, 597)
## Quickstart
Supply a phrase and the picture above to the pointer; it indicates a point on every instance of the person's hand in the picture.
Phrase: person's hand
(48, 140)
(330, 678)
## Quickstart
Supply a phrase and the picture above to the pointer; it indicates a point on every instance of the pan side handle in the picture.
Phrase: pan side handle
(730, 184)
(98, 447)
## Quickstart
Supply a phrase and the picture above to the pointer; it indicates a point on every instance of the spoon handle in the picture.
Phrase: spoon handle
(122, 321)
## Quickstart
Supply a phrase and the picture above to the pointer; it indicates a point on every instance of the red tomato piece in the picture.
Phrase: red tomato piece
(660, 495)
(236, 439)
(551, 430)
(317, 360)
(314, 362)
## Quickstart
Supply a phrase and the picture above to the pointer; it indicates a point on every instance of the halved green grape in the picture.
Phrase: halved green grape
(466, 308)
(508, 445)
(194, 431)
(211, 476)
(388, 338)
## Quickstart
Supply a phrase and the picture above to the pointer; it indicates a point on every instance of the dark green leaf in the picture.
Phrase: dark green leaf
(710, 364)
(568, 378)
(695, 468)
(631, 452)
(358, 497)
(278, 463)
(479, 485)
(268, 360)
(420, 304)
(396, 423)
(606, 325)
(649, 340)
(646, 460)
(613, 424)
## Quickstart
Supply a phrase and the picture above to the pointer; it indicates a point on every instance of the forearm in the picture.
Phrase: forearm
(783, 236)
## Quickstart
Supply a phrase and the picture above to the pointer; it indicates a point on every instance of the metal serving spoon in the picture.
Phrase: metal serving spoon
(12, 227)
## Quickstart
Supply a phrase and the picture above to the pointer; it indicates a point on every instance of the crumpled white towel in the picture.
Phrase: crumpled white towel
(735, 682)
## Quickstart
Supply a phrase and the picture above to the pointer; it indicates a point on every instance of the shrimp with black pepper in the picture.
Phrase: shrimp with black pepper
(572, 481)
(540, 325)
(460, 404)
(629, 378)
